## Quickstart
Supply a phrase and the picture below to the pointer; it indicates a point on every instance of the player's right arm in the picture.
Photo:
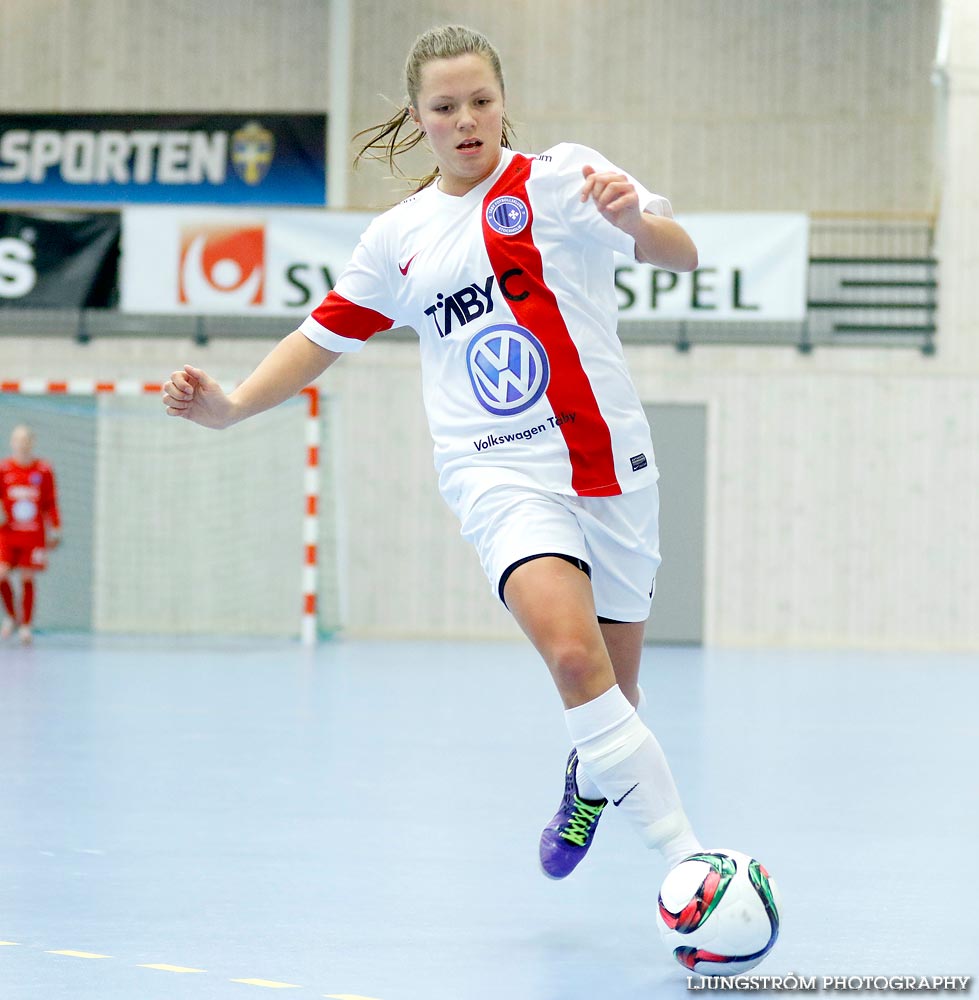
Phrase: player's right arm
(286, 370)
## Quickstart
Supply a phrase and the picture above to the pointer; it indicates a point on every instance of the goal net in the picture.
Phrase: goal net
(169, 528)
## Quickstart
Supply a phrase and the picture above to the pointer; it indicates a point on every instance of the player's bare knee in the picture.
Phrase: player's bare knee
(575, 665)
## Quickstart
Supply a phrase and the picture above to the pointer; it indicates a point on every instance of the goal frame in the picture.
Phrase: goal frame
(308, 545)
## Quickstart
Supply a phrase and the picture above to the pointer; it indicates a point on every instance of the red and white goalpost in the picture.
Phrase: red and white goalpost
(137, 481)
(310, 574)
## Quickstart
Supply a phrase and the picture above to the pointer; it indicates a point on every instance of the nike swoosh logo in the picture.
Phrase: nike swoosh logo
(404, 270)
(619, 801)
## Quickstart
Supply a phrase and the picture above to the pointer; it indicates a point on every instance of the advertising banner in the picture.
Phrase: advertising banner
(115, 159)
(752, 267)
(58, 260)
(232, 262)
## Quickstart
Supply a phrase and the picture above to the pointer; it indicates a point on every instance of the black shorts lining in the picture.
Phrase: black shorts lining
(574, 560)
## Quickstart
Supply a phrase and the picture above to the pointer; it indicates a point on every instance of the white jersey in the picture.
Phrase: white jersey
(510, 289)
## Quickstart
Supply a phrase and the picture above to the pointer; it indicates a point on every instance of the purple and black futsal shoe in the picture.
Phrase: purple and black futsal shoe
(566, 839)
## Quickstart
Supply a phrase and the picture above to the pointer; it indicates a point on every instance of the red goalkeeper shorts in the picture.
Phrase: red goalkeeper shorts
(23, 549)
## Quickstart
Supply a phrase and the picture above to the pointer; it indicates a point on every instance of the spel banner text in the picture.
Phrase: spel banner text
(116, 159)
(752, 267)
(58, 260)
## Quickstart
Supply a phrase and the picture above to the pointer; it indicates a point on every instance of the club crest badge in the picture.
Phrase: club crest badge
(507, 215)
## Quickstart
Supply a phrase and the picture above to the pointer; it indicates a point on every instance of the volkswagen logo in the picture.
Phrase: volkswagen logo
(508, 369)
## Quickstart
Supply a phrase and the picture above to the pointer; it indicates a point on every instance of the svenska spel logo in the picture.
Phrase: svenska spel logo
(507, 215)
(222, 265)
(508, 369)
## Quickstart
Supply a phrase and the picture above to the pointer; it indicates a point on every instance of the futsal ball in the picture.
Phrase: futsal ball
(719, 913)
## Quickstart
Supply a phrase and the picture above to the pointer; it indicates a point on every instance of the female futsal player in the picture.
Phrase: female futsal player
(502, 262)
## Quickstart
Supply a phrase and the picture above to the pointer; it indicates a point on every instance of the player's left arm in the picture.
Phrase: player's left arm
(658, 240)
(49, 510)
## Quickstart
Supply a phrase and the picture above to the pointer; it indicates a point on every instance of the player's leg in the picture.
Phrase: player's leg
(8, 559)
(9, 622)
(533, 549)
(552, 602)
(27, 605)
(624, 546)
(551, 599)
(622, 537)
(624, 641)
(573, 649)
(511, 528)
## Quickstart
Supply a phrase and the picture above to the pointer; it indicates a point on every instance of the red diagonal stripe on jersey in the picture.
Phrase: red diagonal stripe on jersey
(569, 390)
(347, 319)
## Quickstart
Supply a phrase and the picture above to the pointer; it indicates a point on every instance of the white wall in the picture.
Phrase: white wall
(723, 104)
(177, 55)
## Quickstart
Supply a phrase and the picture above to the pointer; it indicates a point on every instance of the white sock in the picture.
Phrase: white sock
(587, 788)
(626, 763)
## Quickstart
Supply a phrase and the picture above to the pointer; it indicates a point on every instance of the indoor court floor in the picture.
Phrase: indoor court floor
(202, 820)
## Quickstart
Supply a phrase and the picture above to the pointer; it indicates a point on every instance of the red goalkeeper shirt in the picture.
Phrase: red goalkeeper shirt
(28, 497)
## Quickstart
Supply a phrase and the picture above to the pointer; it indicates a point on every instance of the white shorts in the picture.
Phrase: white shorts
(616, 539)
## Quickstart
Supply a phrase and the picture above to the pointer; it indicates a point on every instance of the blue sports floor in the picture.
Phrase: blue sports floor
(361, 821)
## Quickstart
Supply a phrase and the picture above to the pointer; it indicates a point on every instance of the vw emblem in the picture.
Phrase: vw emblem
(508, 369)
(507, 215)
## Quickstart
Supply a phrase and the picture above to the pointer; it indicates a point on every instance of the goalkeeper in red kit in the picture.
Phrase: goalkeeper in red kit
(31, 525)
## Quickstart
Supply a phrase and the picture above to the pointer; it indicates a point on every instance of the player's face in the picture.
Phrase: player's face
(21, 443)
(460, 109)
